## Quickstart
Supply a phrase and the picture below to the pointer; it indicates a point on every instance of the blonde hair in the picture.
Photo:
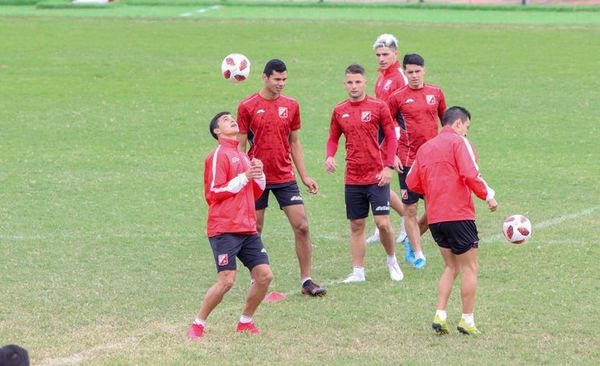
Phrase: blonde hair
(386, 40)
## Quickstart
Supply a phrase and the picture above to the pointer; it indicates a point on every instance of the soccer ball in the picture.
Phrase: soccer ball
(517, 229)
(235, 67)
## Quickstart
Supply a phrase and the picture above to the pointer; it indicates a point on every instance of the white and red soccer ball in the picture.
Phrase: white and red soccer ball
(517, 229)
(235, 67)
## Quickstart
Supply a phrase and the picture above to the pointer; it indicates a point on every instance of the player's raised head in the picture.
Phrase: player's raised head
(214, 123)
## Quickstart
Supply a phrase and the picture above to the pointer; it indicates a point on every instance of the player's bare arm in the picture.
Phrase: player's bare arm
(243, 139)
(298, 158)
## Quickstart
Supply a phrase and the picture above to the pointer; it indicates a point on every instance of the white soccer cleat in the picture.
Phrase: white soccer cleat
(374, 239)
(395, 272)
(354, 278)
(403, 235)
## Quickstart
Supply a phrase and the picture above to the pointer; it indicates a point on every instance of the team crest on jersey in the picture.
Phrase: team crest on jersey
(235, 160)
(223, 259)
(365, 116)
(387, 85)
(430, 98)
(283, 112)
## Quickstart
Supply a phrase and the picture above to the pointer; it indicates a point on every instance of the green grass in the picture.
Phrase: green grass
(412, 13)
(103, 133)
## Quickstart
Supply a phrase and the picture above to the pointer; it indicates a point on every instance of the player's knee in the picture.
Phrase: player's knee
(384, 227)
(264, 278)
(357, 226)
(410, 211)
(226, 283)
(301, 228)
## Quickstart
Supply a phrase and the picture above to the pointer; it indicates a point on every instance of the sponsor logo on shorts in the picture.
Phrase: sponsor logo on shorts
(223, 260)
(404, 194)
(382, 208)
(296, 198)
(430, 98)
(263, 250)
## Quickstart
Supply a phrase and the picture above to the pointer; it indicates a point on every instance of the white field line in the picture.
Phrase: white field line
(200, 11)
(89, 354)
(546, 224)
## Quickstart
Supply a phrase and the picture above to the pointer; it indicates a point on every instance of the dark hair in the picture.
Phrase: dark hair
(214, 123)
(355, 69)
(455, 113)
(13, 355)
(413, 59)
(274, 65)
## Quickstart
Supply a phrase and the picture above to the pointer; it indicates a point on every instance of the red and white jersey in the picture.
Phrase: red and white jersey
(229, 194)
(360, 122)
(417, 112)
(268, 124)
(446, 172)
(390, 80)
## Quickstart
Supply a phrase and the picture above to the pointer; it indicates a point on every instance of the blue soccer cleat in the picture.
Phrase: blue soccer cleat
(409, 255)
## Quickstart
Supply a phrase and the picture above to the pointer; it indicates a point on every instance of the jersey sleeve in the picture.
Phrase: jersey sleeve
(441, 106)
(413, 178)
(391, 135)
(296, 123)
(220, 187)
(334, 136)
(466, 163)
(243, 119)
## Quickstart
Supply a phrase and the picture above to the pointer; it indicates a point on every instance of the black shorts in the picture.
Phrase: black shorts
(287, 194)
(248, 248)
(408, 197)
(359, 197)
(458, 236)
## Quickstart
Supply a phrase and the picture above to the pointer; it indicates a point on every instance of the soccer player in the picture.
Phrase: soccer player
(270, 121)
(416, 109)
(445, 171)
(391, 77)
(367, 178)
(232, 183)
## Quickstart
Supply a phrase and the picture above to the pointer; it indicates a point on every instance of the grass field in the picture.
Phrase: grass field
(103, 131)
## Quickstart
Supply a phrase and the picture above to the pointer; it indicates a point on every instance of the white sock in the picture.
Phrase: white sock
(441, 314)
(469, 319)
(304, 279)
(419, 255)
(391, 260)
(199, 321)
(358, 271)
(245, 319)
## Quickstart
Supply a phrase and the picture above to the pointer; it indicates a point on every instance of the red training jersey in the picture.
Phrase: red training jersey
(390, 80)
(446, 172)
(417, 112)
(268, 124)
(360, 122)
(229, 194)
